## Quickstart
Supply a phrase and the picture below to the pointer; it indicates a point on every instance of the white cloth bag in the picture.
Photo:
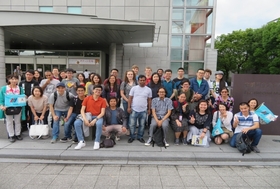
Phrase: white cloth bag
(39, 129)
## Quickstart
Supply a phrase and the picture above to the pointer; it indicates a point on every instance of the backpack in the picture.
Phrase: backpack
(55, 97)
(158, 138)
(107, 143)
(242, 143)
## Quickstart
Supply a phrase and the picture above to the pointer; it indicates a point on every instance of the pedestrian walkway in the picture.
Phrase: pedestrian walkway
(33, 176)
(136, 153)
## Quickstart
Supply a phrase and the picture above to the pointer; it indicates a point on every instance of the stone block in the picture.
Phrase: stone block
(165, 3)
(131, 13)
(88, 3)
(161, 13)
(117, 13)
(103, 12)
(45, 3)
(131, 3)
(138, 52)
(30, 2)
(89, 10)
(147, 3)
(117, 3)
(103, 3)
(146, 13)
(60, 3)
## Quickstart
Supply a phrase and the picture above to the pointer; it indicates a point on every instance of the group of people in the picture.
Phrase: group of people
(153, 100)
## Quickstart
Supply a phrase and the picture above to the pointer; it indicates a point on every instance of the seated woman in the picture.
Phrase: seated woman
(38, 105)
(179, 118)
(225, 117)
(200, 121)
(225, 99)
(114, 120)
(188, 91)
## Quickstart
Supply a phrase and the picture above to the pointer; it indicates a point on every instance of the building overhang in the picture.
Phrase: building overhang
(41, 30)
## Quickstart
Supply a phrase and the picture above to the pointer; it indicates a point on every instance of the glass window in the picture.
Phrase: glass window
(23, 67)
(11, 52)
(174, 67)
(186, 49)
(195, 21)
(186, 68)
(51, 53)
(177, 41)
(92, 54)
(74, 10)
(193, 67)
(196, 48)
(71, 53)
(176, 54)
(198, 2)
(209, 23)
(30, 67)
(62, 67)
(178, 2)
(26, 53)
(178, 14)
(8, 69)
(177, 27)
(46, 9)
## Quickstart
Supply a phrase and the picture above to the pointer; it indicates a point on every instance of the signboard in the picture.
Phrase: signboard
(84, 61)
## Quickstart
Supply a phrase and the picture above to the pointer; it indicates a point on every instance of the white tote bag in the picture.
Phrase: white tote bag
(39, 129)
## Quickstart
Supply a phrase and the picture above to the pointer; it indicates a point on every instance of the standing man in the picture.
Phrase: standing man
(199, 86)
(59, 103)
(49, 84)
(180, 77)
(114, 72)
(247, 123)
(86, 73)
(160, 73)
(139, 106)
(207, 75)
(168, 84)
(135, 69)
(71, 82)
(73, 112)
(161, 110)
(27, 85)
(148, 73)
(93, 106)
(55, 73)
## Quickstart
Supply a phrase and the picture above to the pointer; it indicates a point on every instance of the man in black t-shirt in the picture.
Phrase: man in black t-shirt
(73, 112)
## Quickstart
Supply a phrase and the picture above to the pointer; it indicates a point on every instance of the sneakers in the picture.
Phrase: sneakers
(18, 137)
(166, 144)
(185, 142)
(130, 140)
(65, 139)
(53, 140)
(12, 139)
(75, 141)
(148, 143)
(96, 146)
(117, 138)
(177, 141)
(80, 145)
(255, 149)
(141, 140)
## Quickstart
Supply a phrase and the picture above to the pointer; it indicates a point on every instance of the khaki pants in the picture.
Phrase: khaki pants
(113, 128)
(10, 126)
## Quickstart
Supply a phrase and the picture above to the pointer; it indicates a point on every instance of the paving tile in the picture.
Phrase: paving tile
(35, 186)
(243, 171)
(107, 181)
(19, 179)
(234, 181)
(168, 170)
(273, 181)
(213, 181)
(110, 170)
(42, 179)
(205, 171)
(91, 170)
(85, 180)
(130, 171)
(187, 171)
(82, 187)
(150, 187)
(262, 171)
(252, 181)
(64, 180)
(174, 181)
(149, 170)
(225, 171)
(14, 168)
(150, 181)
(71, 169)
(52, 169)
(193, 181)
(59, 187)
(275, 170)
(129, 181)
(105, 187)
(33, 168)
(5, 178)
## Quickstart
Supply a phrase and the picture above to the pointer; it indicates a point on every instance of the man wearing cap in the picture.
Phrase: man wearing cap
(59, 106)
(71, 82)
(27, 85)
(217, 84)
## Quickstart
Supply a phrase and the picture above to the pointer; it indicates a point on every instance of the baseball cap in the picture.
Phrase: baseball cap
(60, 84)
(219, 72)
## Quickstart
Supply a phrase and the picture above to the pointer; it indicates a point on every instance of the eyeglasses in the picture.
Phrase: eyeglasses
(224, 92)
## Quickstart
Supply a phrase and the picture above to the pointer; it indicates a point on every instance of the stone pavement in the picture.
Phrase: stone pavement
(42, 151)
(33, 176)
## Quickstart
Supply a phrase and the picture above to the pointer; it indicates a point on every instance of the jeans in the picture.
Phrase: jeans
(55, 130)
(125, 105)
(141, 117)
(68, 125)
(78, 124)
(252, 134)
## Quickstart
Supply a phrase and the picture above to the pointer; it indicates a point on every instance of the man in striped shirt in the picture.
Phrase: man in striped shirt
(247, 123)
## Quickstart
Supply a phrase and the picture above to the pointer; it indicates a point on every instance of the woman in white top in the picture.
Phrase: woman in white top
(218, 84)
(38, 104)
(225, 117)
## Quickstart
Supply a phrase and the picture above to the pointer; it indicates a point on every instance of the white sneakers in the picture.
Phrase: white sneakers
(96, 146)
(80, 145)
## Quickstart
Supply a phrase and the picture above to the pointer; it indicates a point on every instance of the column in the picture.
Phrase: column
(113, 55)
(2, 58)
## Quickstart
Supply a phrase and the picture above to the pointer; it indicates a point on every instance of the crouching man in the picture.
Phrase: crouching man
(93, 107)
(114, 120)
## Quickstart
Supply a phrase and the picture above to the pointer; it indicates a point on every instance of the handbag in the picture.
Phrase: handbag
(38, 130)
(13, 110)
(217, 129)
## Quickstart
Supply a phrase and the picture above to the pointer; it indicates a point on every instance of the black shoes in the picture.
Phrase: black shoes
(18, 137)
(130, 140)
(141, 140)
(12, 139)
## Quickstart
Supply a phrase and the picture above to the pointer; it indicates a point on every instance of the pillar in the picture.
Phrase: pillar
(2, 58)
(113, 55)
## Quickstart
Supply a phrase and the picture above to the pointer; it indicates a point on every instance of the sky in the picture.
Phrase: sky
(242, 14)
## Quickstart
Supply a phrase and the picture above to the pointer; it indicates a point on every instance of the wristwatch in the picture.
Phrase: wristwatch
(97, 118)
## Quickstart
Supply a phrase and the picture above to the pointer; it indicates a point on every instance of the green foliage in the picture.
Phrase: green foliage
(251, 51)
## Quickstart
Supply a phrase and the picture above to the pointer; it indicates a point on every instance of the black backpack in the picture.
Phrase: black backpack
(107, 143)
(243, 143)
(158, 138)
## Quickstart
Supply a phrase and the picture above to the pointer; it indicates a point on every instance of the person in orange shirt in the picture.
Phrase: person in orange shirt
(95, 105)
(148, 74)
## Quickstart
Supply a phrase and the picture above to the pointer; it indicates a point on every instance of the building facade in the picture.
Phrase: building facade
(102, 34)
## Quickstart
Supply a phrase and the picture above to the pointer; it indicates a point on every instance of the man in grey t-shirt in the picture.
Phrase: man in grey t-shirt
(139, 106)
(49, 84)
(59, 107)
(70, 82)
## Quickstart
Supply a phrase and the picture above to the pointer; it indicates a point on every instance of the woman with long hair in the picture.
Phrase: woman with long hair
(12, 88)
(95, 80)
(225, 117)
(225, 99)
(38, 104)
(155, 84)
(111, 89)
(253, 104)
(185, 83)
(218, 84)
(82, 79)
(179, 118)
(37, 76)
(200, 121)
(62, 75)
